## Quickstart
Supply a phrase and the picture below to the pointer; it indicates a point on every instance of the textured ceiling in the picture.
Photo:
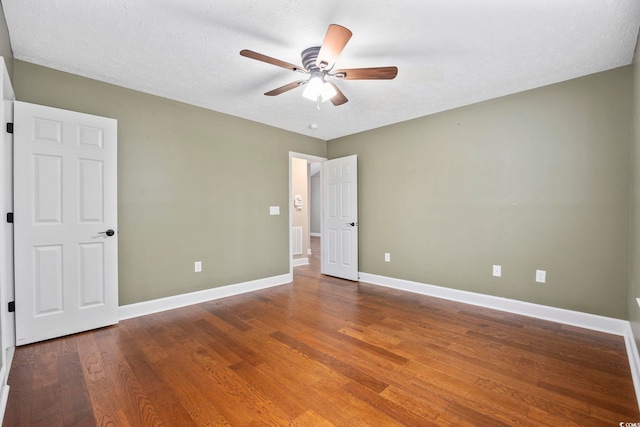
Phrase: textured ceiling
(449, 53)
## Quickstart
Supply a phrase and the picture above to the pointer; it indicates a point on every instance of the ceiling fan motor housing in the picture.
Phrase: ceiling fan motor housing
(309, 57)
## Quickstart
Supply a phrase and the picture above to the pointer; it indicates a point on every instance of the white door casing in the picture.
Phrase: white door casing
(7, 319)
(65, 200)
(7, 324)
(340, 217)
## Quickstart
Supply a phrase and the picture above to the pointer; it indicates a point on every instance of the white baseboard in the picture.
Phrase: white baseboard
(4, 397)
(4, 391)
(296, 262)
(554, 314)
(634, 360)
(315, 234)
(4, 376)
(177, 301)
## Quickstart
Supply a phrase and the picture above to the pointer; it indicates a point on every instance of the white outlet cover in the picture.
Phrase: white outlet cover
(497, 271)
(387, 257)
(274, 210)
(638, 301)
(541, 276)
(197, 266)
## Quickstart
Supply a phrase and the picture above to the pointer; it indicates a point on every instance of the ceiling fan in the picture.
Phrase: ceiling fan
(318, 62)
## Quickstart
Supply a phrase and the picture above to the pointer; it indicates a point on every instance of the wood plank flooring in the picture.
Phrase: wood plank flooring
(322, 352)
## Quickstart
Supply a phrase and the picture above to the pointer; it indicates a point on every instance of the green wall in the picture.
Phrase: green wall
(634, 255)
(193, 185)
(535, 180)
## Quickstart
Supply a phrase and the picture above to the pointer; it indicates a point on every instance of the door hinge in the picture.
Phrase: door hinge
(9, 127)
(12, 306)
(10, 217)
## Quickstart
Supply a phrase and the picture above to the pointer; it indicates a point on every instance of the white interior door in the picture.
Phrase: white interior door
(65, 222)
(340, 217)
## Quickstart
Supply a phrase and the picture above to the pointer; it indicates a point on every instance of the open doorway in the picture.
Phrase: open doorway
(304, 210)
(315, 198)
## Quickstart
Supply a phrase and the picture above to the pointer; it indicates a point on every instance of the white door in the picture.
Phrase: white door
(65, 222)
(340, 217)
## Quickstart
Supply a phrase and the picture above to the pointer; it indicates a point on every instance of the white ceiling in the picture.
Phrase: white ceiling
(449, 53)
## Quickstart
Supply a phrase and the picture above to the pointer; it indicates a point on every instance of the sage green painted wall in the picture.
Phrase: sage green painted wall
(535, 180)
(634, 233)
(193, 185)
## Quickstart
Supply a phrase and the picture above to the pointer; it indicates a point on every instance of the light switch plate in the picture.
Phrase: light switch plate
(541, 276)
(274, 210)
(497, 271)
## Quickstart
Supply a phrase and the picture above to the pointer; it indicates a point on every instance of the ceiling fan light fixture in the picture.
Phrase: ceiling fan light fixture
(328, 91)
(314, 88)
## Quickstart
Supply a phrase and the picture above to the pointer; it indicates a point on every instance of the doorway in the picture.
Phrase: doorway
(304, 208)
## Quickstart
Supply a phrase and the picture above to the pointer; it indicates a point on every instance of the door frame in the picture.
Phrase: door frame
(7, 319)
(7, 290)
(309, 158)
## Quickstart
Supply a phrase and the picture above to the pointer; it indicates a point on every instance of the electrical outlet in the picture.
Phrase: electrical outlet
(197, 266)
(638, 301)
(541, 276)
(497, 270)
(387, 257)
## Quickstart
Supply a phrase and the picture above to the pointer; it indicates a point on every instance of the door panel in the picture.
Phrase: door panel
(91, 196)
(340, 218)
(48, 279)
(65, 199)
(92, 285)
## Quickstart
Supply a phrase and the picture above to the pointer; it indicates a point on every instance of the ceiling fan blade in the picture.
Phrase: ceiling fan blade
(377, 73)
(285, 88)
(334, 41)
(269, 60)
(338, 98)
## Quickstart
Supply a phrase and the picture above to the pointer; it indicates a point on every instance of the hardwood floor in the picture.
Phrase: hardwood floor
(321, 352)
